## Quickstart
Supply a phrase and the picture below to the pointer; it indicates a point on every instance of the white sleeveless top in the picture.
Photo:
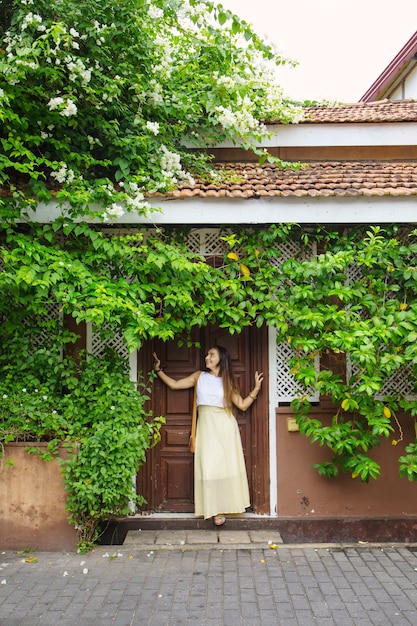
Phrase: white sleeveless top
(210, 390)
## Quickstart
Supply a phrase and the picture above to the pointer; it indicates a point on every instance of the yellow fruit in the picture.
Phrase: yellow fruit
(387, 412)
(233, 256)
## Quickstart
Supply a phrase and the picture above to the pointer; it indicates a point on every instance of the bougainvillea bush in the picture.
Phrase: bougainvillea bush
(100, 99)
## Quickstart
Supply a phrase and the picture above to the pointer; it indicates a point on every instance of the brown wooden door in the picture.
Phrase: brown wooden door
(166, 480)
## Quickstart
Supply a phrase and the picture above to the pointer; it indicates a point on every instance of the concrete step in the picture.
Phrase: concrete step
(210, 538)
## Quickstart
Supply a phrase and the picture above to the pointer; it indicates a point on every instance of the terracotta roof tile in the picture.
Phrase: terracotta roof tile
(363, 112)
(319, 179)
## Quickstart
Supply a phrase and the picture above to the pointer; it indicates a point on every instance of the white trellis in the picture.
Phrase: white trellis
(402, 380)
(40, 337)
(287, 387)
(207, 242)
(98, 342)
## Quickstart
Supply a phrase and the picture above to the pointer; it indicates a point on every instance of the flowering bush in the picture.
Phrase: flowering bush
(100, 100)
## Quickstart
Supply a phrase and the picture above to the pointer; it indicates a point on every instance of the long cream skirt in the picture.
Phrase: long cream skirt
(220, 480)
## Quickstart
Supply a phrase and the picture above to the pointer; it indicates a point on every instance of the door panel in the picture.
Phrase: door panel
(167, 478)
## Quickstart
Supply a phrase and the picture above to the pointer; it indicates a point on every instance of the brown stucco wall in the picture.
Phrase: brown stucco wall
(304, 494)
(32, 503)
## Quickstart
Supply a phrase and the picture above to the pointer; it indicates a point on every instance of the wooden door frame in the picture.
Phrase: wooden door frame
(260, 478)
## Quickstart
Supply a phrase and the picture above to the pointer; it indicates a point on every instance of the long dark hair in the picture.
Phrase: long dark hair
(230, 385)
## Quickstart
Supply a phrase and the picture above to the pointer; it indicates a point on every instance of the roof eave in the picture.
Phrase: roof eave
(391, 72)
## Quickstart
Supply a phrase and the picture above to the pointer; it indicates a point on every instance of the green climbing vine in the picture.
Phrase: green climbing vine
(100, 103)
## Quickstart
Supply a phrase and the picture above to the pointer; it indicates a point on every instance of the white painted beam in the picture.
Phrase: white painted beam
(314, 135)
(215, 211)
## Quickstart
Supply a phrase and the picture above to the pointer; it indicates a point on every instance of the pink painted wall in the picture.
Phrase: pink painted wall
(303, 493)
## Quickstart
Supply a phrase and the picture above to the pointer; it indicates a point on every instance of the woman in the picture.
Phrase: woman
(220, 481)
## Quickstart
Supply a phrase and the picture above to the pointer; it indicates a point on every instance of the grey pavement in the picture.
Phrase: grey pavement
(211, 578)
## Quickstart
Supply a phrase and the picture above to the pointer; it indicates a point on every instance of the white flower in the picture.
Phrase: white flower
(227, 81)
(189, 179)
(63, 174)
(54, 103)
(114, 211)
(155, 13)
(225, 117)
(153, 127)
(170, 161)
(70, 109)
(24, 389)
(74, 33)
(137, 202)
(156, 94)
(5, 395)
(31, 18)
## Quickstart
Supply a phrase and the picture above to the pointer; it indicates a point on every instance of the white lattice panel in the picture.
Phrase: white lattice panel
(292, 250)
(400, 382)
(206, 241)
(43, 338)
(287, 387)
(98, 345)
(98, 342)
(353, 274)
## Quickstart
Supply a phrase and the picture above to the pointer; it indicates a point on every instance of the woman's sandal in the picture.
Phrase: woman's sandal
(219, 520)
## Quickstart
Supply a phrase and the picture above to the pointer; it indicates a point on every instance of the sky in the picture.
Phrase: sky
(342, 46)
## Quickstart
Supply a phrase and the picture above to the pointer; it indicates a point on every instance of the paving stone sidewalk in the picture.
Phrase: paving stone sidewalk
(160, 583)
